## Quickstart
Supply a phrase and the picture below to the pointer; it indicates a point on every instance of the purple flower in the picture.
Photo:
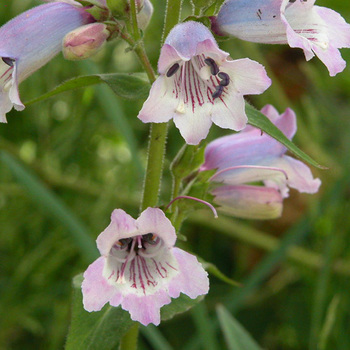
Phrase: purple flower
(317, 30)
(140, 269)
(254, 172)
(29, 41)
(199, 84)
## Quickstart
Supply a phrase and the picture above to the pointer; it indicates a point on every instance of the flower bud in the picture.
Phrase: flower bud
(84, 41)
(145, 13)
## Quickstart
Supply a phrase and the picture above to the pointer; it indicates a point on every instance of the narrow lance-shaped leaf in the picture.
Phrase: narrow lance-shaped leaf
(259, 120)
(124, 85)
(237, 338)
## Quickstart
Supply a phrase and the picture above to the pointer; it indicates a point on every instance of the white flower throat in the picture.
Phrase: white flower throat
(197, 81)
(6, 70)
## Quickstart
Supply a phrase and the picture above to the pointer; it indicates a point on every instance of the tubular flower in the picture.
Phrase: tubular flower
(29, 41)
(253, 171)
(199, 84)
(317, 30)
(140, 269)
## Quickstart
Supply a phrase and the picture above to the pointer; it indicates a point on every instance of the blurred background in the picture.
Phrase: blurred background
(67, 162)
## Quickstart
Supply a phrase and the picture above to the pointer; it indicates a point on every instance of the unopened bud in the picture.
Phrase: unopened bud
(85, 41)
(145, 8)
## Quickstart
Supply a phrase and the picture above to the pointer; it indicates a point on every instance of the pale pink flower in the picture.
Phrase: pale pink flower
(199, 84)
(253, 172)
(317, 30)
(29, 41)
(140, 269)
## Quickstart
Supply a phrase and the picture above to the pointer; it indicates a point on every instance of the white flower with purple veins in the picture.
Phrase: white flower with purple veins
(317, 30)
(199, 85)
(140, 269)
(253, 173)
(29, 41)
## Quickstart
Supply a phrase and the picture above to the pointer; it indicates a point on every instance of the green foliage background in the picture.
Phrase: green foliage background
(87, 150)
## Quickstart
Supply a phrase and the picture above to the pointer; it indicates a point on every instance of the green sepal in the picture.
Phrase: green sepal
(119, 8)
(201, 19)
(187, 161)
(207, 7)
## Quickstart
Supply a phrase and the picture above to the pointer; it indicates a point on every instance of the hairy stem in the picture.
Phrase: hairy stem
(158, 132)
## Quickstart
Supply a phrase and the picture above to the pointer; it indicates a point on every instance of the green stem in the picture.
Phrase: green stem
(129, 341)
(154, 169)
(158, 132)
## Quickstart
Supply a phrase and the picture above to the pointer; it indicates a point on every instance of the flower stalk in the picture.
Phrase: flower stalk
(158, 131)
(158, 134)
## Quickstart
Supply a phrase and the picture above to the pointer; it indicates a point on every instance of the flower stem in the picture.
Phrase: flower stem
(156, 150)
(158, 131)
(158, 134)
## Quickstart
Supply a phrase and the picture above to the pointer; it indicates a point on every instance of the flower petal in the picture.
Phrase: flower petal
(153, 220)
(160, 105)
(248, 174)
(299, 174)
(229, 111)
(192, 279)
(248, 77)
(122, 226)
(194, 126)
(146, 309)
(286, 122)
(185, 37)
(96, 290)
(250, 202)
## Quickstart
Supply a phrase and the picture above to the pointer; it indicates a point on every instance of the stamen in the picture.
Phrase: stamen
(9, 61)
(149, 238)
(172, 70)
(124, 242)
(218, 91)
(225, 79)
(213, 66)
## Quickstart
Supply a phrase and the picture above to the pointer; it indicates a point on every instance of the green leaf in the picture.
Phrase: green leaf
(237, 338)
(128, 86)
(212, 269)
(259, 120)
(177, 306)
(100, 330)
(155, 338)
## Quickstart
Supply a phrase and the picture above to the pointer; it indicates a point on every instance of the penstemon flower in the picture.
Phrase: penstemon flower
(25, 46)
(246, 159)
(140, 269)
(199, 85)
(317, 30)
